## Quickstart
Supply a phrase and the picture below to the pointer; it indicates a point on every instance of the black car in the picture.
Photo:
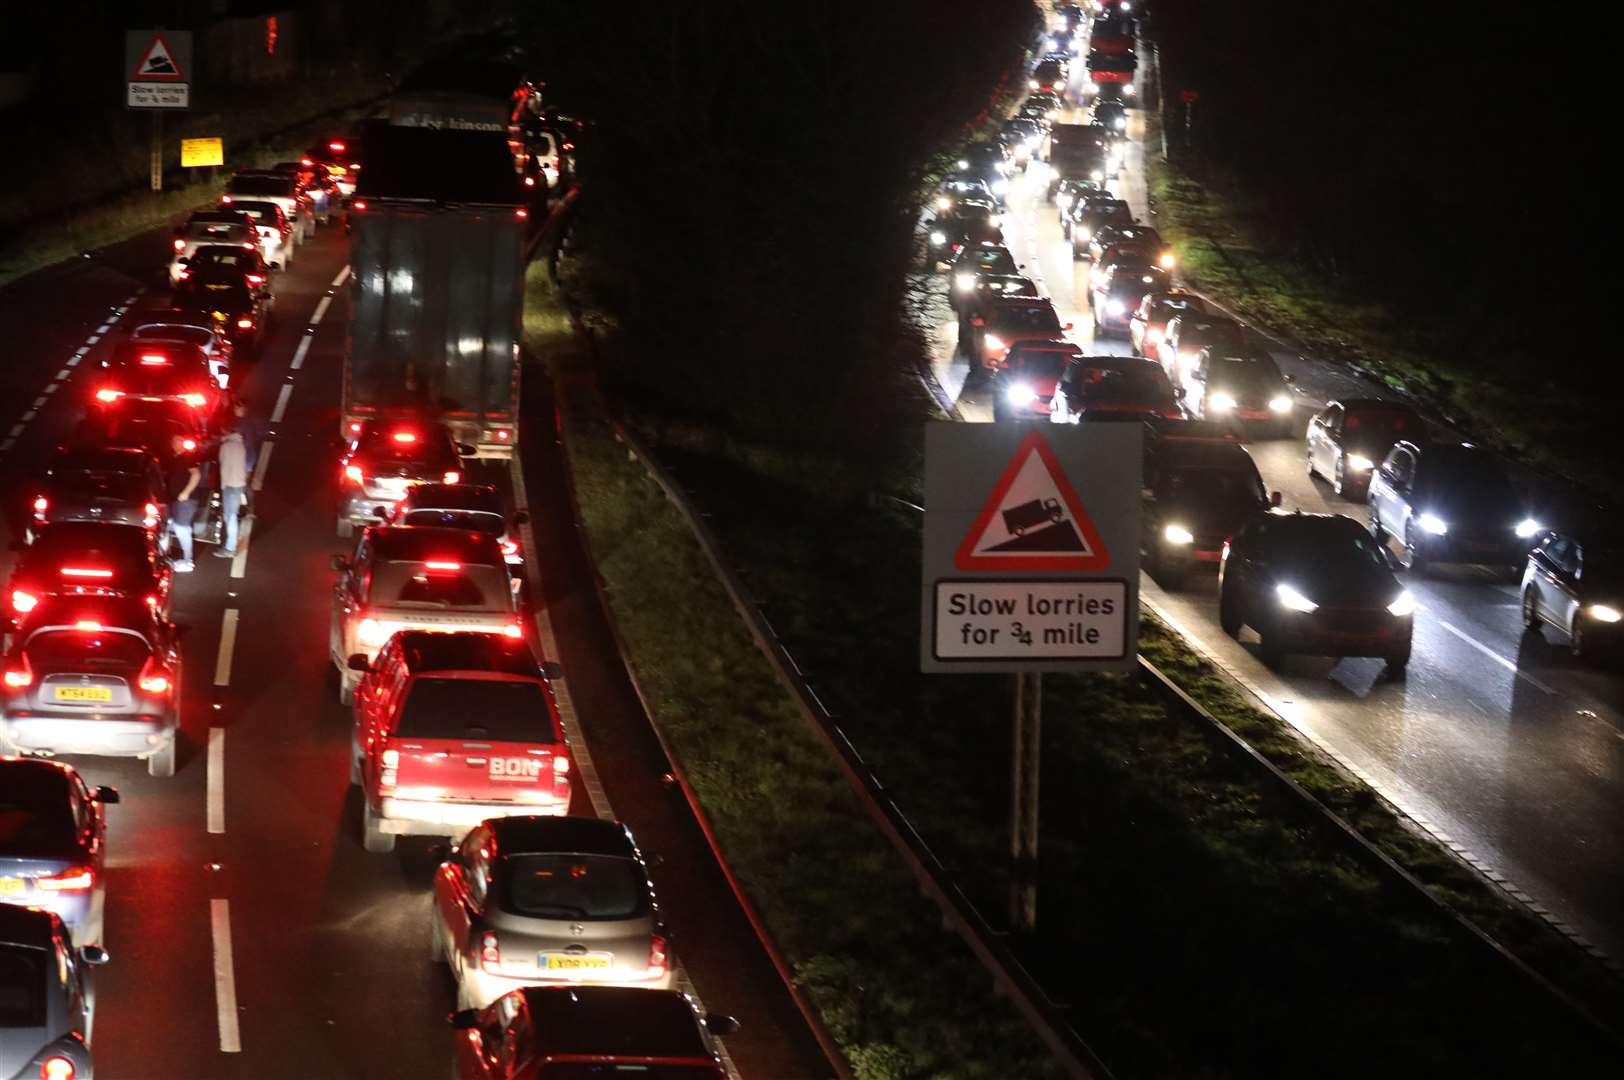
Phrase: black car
(1022, 136)
(157, 371)
(989, 163)
(385, 459)
(122, 484)
(239, 299)
(1093, 212)
(475, 507)
(1112, 115)
(971, 221)
(1241, 386)
(193, 326)
(1314, 585)
(974, 261)
(1200, 487)
(1450, 503)
(961, 186)
(1574, 583)
(1114, 388)
(47, 1002)
(1347, 439)
(90, 558)
(1072, 188)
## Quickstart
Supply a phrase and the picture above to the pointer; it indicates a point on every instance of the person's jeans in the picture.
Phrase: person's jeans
(183, 533)
(231, 501)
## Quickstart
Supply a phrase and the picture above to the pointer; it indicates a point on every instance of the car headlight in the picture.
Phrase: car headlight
(1097, 176)
(993, 341)
(1403, 605)
(1220, 402)
(1116, 308)
(1000, 186)
(1603, 613)
(1292, 600)
(1032, 83)
(1358, 463)
(1281, 404)
(1021, 394)
(943, 203)
(1153, 336)
(1128, 90)
(1120, 123)
(1065, 201)
(1434, 524)
(963, 164)
(1167, 261)
(1528, 527)
(964, 282)
(938, 238)
(1082, 232)
(1178, 534)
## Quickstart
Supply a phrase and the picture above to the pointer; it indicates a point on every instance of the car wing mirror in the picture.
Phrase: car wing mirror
(106, 795)
(1067, 326)
(359, 662)
(1275, 499)
(1178, 394)
(94, 955)
(719, 1024)
(465, 450)
(464, 1019)
(552, 669)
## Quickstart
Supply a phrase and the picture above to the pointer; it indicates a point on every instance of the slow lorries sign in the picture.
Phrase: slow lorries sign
(1031, 547)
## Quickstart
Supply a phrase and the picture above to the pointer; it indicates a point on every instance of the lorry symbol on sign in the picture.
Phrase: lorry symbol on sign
(1017, 519)
(1033, 520)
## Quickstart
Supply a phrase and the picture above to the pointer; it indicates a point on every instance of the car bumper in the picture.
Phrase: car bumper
(76, 909)
(1345, 634)
(1473, 550)
(483, 987)
(411, 817)
(115, 736)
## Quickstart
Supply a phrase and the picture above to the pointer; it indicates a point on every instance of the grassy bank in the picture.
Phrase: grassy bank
(901, 996)
(1220, 239)
(91, 207)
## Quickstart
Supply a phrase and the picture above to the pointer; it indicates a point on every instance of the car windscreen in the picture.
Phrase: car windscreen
(1476, 483)
(262, 213)
(98, 485)
(477, 520)
(412, 584)
(1038, 363)
(1386, 425)
(1171, 309)
(499, 710)
(194, 335)
(1314, 545)
(1249, 371)
(1048, 71)
(1210, 331)
(263, 186)
(35, 820)
(999, 262)
(214, 230)
(22, 986)
(86, 650)
(1214, 488)
(565, 886)
(1020, 317)
(1145, 382)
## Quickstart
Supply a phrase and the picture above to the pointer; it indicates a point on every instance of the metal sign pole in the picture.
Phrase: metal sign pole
(157, 150)
(1023, 817)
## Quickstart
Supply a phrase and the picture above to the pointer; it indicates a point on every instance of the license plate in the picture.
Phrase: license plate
(574, 963)
(12, 886)
(393, 483)
(216, 288)
(83, 693)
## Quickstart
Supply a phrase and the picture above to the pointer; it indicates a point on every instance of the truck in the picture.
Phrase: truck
(1076, 152)
(438, 221)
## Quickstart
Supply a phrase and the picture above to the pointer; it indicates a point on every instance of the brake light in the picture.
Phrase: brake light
(372, 633)
(657, 957)
(57, 1067)
(248, 247)
(452, 476)
(182, 274)
(405, 436)
(561, 764)
(94, 572)
(510, 547)
(196, 401)
(153, 679)
(390, 759)
(450, 567)
(41, 505)
(225, 200)
(87, 625)
(19, 677)
(245, 324)
(180, 245)
(306, 162)
(188, 444)
(490, 953)
(513, 630)
(529, 181)
(521, 212)
(153, 359)
(256, 279)
(503, 435)
(336, 147)
(358, 204)
(73, 879)
(23, 602)
(151, 519)
(355, 427)
(353, 473)
(355, 166)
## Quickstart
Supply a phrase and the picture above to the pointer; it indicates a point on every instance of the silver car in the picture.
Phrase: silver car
(547, 901)
(47, 1002)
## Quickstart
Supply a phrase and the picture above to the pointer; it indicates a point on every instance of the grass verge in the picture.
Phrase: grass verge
(900, 995)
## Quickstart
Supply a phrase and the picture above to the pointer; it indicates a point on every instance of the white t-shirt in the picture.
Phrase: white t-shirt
(233, 461)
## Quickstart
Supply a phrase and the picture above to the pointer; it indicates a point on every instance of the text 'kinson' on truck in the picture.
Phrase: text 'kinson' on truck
(437, 281)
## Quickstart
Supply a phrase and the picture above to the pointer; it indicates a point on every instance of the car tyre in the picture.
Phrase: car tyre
(436, 938)
(1339, 478)
(1229, 613)
(1530, 612)
(1578, 645)
(162, 764)
(1415, 560)
(1271, 651)
(373, 838)
(1308, 459)
(1398, 665)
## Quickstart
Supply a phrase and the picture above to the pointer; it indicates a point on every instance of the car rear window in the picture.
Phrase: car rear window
(477, 520)
(264, 186)
(119, 487)
(1314, 544)
(35, 819)
(476, 588)
(214, 229)
(169, 380)
(501, 710)
(1381, 422)
(216, 255)
(1248, 369)
(630, 1023)
(1022, 317)
(564, 886)
(194, 335)
(426, 449)
(22, 986)
(86, 650)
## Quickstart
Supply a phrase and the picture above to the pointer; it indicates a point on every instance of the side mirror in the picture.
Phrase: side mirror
(465, 450)
(94, 955)
(1275, 499)
(105, 794)
(463, 1019)
(521, 518)
(340, 563)
(718, 1024)
(1178, 395)
(552, 669)
(359, 662)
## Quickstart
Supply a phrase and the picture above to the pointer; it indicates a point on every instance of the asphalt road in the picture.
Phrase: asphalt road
(251, 934)
(1499, 742)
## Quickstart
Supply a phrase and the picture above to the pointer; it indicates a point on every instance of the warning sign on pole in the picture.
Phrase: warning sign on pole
(199, 152)
(158, 69)
(1031, 547)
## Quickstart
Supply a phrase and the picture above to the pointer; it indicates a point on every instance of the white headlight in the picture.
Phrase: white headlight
(1021, 394)
(1358, 463)
(1292, 600)
(993, 341)
(1128, 90)
(938, 237)
(1528, 527)
(1065, 201)
(1434, 524)
(1281, 404)
(1220, 402)
(1603, 613)
(943, 203)
(1081, 231)
(996, 221)
(964, 282)
(1033, 83)
(1116, 308)
(1000, 186)
(963, 164)
(1097, 176)
(1178, 534)
(1120, 123)
(1403, 605)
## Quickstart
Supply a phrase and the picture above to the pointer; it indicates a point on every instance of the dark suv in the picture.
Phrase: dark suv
(1201, 486)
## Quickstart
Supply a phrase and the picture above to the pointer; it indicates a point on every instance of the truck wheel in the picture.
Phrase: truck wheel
(162, 764)
(373, 838)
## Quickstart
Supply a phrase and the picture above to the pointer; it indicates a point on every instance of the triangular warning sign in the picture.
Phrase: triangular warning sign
(1033, 519)
(158, 63)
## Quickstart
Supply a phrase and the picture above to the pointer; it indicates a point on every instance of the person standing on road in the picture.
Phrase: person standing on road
(184, 480)
(252, 434)
(233, 458)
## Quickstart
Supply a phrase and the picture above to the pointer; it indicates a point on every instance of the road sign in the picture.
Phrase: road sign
(1031, 548)
(1190, 97)
(197, 152)
(158, 69)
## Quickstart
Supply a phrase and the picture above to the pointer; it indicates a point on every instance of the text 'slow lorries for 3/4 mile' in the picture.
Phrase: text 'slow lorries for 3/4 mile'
(436, 284)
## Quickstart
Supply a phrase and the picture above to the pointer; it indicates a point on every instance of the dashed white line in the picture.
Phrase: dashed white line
(217, 780)
(259, 468)
(8, 444)
(73, 361)
(225, 977)
(321, 310)
(50, 388)
(1496, 657)
(239, 561)
(27, 416)
(299, 353)
(39, 401)
(342, 275)
(281, 402)
(63, 374)
(92, 339)
(228, 645)
(16, 430)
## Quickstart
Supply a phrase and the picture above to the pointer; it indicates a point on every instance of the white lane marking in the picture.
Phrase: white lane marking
(321, 309)
(16, 430)
(73, 361)
(63, 374)
(81, 350)
(92, 339)
(104, 327)
(299, 353)
(239, 562)
(228, 645)
(281, 402)
(1496, 657)
(225, 977)
(39, 401)
(339, 280)
(259, 468)
(8, 444)
(50, 388)
(27, 416)
(217, 780)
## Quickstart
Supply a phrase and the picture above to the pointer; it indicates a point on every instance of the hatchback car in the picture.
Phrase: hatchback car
(1241, 386)
(87, 559)
(476, 507)
(53, 843)
(971, 263)
(1186, 335)
(1450, 504)
(1574, 584)
(417, 578)
(547, 900)
(1114, 387)
(1316, 585)
(94, 675)
(1347, 440)
(278, 188)
(194, 327)
(1093, 212)
(239, 300)
(1200, 487)
(571, 1033)
(157, 371)
(452, 729)
(998, 326)
(384, 460)
(1116, 291)
(275, 231)
(209, 227)
(47, 998)
(121, 484)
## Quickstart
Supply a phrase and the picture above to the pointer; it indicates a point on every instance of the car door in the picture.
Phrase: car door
(1384, 497)
(455, 901)
(1324, 433)
(1563, 598)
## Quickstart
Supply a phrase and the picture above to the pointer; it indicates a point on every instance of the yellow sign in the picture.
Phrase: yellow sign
(201, 152)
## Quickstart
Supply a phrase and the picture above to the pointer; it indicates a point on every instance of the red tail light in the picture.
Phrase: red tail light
(521, 212)
(306, 162)
(405, 436)
(355, 427)
(503, 435)
(180, 245)
(154, 679)
(108, 395)
(23, 602)
(448, 567)
(225, 200)
(245, 324)
(490, 953)
(18, 677)
(658, 957)
(73, 879)
(188, 444)
(248, 247)
(452, 476)
(196, 401)
(353, 474)
(529, 181)
(513, 630)
(256, 279)
(358, 204)
(336, 147)
(41, 505)
(182, 274)
(93, 573)
(510, 547)
(151, 518)
(153, 359)
(57, 1067)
